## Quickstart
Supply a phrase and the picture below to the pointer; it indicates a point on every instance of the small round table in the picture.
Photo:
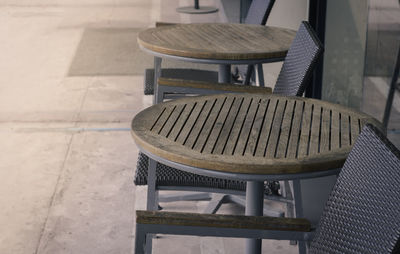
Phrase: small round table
(217, 43)
(250, 137)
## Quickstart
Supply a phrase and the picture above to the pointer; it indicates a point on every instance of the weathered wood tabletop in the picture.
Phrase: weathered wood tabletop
(218, 41)
(250, 133)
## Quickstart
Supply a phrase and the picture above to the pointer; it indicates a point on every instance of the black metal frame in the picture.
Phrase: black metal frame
(392, 90)
(317, 19)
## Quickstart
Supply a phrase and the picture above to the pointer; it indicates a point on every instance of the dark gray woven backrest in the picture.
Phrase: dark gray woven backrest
(259, 11)
(299, 62)
(362, 214)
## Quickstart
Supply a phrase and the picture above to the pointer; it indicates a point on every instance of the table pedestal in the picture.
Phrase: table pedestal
(254, 207)
(196, 9)
(224, 73)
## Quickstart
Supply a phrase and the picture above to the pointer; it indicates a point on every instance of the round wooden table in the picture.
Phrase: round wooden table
(250, 137)
(216, 43)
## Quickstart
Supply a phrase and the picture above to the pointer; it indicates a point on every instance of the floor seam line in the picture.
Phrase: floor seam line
(53, 197)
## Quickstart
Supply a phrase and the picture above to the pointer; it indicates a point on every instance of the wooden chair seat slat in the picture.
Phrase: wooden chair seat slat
(170, 82)
(221, 221)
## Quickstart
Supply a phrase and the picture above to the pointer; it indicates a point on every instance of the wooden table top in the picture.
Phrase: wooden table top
(218, 41)
(250, 133)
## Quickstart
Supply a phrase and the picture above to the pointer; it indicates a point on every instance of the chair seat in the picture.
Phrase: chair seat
(188, 74)
(167, 176)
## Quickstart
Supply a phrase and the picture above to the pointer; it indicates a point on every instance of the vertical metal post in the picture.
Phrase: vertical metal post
(299, 210)
(152, 197)
(224, 73)
(140, 239)
(152, 193)
(297, 199)
(254, 207)
(392, 88)
(244, 8)
(157, 74)
(260, 74)
(317, 19)
(196, 4)
(249, 73)
(288, 194)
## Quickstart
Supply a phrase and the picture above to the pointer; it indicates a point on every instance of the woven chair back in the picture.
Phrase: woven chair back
(362, 214)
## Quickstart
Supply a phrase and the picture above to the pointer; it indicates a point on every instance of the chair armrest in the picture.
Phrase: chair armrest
(223, 221)
(159, 24)
(213, 86)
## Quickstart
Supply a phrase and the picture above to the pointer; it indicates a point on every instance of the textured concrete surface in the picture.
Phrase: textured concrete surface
(68, 90)
(66, 154)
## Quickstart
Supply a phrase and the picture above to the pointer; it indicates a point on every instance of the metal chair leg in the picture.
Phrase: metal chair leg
(152, 198)
(140, 240)
(216, 201)
(185, 197)
(249, 74)
(157, 74)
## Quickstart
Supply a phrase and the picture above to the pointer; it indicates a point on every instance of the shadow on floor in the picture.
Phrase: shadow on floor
(108, 52)
(115, 52)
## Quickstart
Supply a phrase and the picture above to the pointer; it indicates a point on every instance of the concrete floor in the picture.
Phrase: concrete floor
(67, 157)
(66, 154)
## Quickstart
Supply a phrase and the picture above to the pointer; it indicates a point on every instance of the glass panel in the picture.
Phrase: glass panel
(345, 39)
(382, 46)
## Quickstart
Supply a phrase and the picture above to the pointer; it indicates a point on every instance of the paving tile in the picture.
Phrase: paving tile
(94, 202)
(30, 165)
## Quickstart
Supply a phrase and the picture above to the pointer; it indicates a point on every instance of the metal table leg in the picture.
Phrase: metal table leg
(254, 207)
(260, 74)
(224, 73)
(157, 73)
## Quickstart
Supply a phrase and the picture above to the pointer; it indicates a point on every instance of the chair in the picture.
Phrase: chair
(258, 13)
(292, 80)
(362, 214)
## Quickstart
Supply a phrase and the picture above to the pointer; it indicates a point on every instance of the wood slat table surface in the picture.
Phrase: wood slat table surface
(250, 133)
(218, 41)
